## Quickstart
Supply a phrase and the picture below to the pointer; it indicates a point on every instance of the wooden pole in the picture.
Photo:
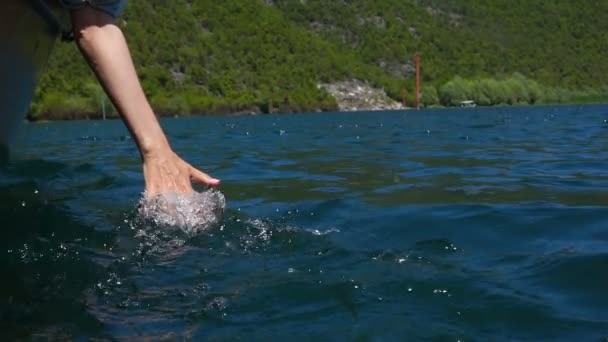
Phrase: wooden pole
(103, 106)
(417, 59)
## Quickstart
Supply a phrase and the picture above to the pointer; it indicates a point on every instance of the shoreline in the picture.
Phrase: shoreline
(251, 113)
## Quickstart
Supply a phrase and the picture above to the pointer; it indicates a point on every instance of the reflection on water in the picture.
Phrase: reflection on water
(485, 224)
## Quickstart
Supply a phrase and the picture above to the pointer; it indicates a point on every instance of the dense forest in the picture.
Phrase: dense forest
(203, 56)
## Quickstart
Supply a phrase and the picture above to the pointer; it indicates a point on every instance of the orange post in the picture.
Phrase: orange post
(417, 81)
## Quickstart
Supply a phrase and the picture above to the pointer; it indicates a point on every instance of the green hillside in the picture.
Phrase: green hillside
(202, 56)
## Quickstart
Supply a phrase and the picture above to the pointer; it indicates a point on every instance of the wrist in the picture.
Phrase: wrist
(150, 148)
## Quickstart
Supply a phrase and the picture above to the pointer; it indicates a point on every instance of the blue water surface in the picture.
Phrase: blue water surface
(441, 225)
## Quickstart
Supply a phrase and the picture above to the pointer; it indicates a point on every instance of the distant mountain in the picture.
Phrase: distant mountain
(203, 56)
(555, 42)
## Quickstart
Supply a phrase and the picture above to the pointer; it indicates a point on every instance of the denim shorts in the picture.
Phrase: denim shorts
(112, 7)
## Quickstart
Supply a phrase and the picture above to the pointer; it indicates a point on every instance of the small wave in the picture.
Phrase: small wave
(191, 213)
(318, 232)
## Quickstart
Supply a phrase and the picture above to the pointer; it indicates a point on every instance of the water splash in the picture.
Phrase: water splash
(191, 213)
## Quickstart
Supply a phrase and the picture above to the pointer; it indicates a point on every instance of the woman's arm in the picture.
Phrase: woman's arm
(103, 45)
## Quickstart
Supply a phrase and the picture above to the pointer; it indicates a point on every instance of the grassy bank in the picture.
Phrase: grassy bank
(202, 56)
(513, 90)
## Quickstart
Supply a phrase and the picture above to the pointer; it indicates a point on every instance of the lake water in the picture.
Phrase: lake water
(447, 225)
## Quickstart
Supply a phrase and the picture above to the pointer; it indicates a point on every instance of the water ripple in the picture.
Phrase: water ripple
(486, 225)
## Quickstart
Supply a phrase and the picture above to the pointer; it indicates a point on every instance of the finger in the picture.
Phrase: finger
(204, 178)
(151, 188)
(150, 191)
(184, 186)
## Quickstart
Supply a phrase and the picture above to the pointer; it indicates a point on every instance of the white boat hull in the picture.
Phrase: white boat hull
(28, 31)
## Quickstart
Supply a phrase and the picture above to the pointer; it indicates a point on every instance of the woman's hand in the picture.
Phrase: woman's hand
(165, 171)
